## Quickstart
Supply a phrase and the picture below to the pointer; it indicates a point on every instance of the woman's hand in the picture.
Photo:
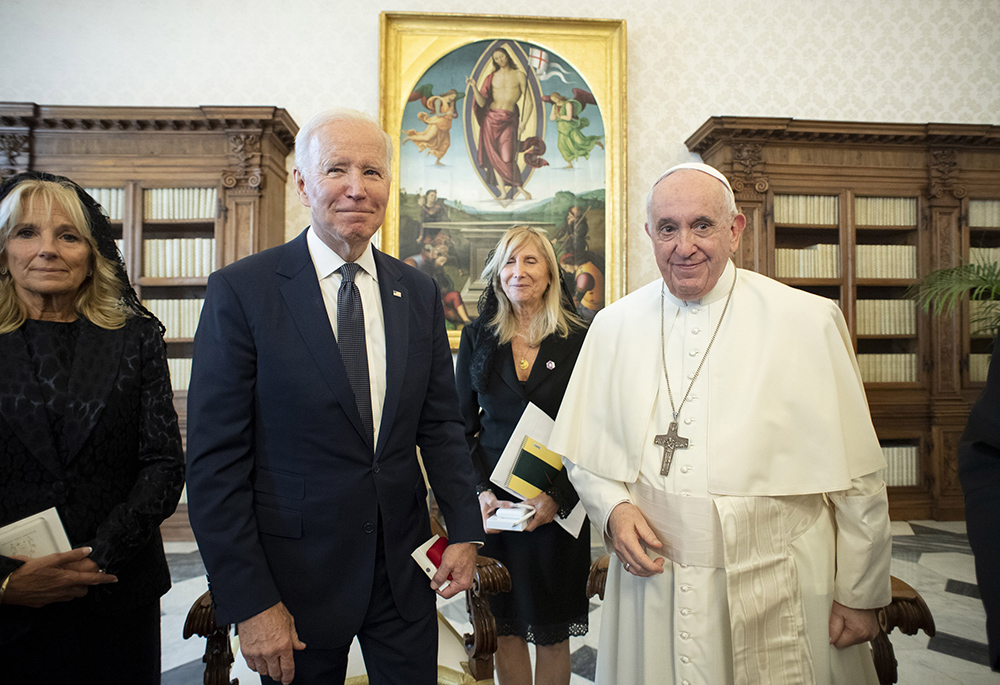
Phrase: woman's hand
(545, 511)
(488, 503)
(52, 578)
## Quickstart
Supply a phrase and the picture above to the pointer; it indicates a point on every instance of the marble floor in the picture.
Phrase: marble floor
(933, 557)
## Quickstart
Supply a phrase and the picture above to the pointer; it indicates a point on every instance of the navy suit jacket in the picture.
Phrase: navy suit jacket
(284, 491)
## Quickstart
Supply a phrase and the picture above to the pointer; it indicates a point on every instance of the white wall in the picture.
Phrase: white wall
(909, 61)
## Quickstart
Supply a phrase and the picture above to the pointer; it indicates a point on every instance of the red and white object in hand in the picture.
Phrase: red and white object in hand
(429, 554)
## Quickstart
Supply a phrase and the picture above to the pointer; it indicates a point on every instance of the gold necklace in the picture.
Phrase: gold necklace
(523, 362)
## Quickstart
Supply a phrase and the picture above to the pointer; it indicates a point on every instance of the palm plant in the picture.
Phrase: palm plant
(942, 290)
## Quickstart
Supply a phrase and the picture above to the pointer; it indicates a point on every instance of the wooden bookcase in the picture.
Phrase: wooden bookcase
(858, 212)
(188, 189)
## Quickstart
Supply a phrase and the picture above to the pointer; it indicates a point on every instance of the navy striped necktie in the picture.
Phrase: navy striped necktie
(351, 340)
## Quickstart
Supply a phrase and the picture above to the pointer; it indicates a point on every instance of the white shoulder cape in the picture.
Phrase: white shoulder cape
(788, 413)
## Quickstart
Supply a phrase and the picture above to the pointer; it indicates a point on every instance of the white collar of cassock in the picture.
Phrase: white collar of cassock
(720, 291)
(327, 261)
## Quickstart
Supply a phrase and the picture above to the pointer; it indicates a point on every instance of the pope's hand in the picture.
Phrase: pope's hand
(631, 535)
(851, 626)
(459, 562)
(268, 641)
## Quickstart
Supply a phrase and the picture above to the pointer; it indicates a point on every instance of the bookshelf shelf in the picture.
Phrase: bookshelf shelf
(161, 282)
(886, 204)
(188, 189)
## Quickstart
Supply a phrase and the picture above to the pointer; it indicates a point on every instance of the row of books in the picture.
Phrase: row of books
(815, 261)
(888, 368)
(979, 366)
(902, 466)
(885, 211)
(179, 204)
(823, 261)
(984, 255)
(887, 317)
(180, 372)
(886, 261)
(112, 199)
(984, 213)
(806, 209)
(179, 316)
(178, 257)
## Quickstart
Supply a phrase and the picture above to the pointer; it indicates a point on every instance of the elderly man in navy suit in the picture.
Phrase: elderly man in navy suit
(319, 367)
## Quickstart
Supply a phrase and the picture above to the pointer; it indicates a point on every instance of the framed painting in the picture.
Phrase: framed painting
(502, 121)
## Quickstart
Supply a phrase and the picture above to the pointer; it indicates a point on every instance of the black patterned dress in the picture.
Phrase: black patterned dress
(87, 426)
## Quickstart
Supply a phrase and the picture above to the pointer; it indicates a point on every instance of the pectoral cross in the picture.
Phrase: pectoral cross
(669, 443)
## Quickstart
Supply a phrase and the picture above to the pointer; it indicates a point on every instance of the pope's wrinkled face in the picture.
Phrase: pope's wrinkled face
(692, 232)
(345, 183)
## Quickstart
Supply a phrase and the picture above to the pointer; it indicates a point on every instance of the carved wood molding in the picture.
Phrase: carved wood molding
(775, 129)
(244, 148)
(12, 146)
(167, 119)
(746, 178)
(944, 171)
(490, 578)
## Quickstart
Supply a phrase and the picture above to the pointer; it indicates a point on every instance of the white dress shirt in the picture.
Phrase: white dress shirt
(327, 262)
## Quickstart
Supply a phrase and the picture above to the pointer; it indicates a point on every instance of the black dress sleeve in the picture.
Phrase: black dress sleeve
(160, 475)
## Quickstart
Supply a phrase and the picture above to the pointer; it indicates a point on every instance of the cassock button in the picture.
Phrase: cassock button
(688, 422)
(685, 469)
(685, 612)
(685, 660)
(685, 635)
(690, 376)
(695, 310)
(685, 682)
(684, 588)
(695, 331)
(369, 527)
(693, 353)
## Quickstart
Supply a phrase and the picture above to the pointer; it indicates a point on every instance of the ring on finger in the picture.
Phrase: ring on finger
(626, 567)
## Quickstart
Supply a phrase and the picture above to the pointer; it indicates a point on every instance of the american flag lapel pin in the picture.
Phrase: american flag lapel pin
(396, 293)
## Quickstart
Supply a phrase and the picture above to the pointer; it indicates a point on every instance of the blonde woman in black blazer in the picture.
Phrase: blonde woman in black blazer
(522, 349)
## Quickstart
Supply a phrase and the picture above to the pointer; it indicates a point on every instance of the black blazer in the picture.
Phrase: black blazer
(490, 417)
(124, 470)
(284, 491)
(979, 471)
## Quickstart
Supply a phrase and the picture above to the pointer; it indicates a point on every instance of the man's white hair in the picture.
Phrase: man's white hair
(730, 197)
(317, 121)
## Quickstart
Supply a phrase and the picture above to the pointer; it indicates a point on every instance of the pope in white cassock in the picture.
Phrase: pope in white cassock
(716, 428)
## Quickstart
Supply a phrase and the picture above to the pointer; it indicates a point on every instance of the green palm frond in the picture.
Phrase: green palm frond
(941, 291)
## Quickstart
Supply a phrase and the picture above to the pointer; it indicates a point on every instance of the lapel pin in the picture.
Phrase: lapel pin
(550, 365)
(396, 293)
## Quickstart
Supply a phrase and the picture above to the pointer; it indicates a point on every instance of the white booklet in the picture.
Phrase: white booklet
(34, 536)
(535, 426)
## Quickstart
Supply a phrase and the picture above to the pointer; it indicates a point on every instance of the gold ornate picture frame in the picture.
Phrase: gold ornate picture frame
(498, 121)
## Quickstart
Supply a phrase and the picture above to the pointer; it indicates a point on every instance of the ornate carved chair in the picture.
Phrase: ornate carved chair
(908, 612)
(490, 577)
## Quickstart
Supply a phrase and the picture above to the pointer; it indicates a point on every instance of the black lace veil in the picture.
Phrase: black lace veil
(100, 229)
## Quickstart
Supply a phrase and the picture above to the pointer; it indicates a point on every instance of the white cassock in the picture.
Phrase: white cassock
(774, 509)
